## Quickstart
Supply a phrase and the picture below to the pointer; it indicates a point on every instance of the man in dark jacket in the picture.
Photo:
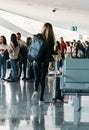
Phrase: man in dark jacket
(22, 57)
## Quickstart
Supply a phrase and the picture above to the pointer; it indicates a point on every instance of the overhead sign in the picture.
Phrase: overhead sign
(74, 28)
(80, 37)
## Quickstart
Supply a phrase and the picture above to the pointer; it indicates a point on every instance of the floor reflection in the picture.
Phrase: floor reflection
(17, 112)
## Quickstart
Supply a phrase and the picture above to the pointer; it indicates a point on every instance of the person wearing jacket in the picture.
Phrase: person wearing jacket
(22, 57)
(41, 67)
(13, 50)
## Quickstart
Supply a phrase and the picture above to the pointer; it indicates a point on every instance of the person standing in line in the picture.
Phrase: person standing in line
(22, 57)
(13, 50)
(41, 68)
(29, 70)
(3, 48)
(58, 50)
(29, 41)
(63, 49)
(68, 49)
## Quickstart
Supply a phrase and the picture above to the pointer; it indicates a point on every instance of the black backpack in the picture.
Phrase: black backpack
(23, 51)
(37, 50)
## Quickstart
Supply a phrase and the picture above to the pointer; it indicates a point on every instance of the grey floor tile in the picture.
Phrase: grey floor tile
(17, 112)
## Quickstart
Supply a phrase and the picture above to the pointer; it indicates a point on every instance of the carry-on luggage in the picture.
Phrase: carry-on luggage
(56, 85)
(30, 73)
(56, 90)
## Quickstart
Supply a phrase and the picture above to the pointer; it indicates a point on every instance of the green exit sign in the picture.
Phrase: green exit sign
(74, 28)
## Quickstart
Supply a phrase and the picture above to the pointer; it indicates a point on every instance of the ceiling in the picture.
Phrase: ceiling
(67, 13)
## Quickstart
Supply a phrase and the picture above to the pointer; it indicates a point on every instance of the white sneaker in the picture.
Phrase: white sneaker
(34, 110)
(34, 96)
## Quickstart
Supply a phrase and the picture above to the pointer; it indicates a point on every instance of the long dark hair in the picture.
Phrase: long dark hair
(48, 33)
(14, 40)
(4, 40)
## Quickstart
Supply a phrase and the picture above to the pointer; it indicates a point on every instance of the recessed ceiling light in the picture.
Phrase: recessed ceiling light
(29, 4)
(58, 2)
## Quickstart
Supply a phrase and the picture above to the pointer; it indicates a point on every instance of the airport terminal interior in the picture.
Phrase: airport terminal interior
(70, 110)
(17, 112)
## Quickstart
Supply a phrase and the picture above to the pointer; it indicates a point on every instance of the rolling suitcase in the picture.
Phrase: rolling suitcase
(56, 86)
(30, 72)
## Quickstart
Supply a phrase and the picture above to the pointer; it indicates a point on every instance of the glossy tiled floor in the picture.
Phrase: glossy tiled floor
(18, 113)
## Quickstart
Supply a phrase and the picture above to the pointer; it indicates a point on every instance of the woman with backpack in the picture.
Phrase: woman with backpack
(40, 67)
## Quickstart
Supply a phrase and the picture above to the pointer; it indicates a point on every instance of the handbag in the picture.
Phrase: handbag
(6, 55)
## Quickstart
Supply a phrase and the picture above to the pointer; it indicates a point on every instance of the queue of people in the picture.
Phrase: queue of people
(17, 50)
(68, 49)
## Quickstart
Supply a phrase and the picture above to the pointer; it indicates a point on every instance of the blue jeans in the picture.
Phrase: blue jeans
(40, 71)
(28, 70)
(13, 73)
(2, 67)
(22, 67)
(58, 65)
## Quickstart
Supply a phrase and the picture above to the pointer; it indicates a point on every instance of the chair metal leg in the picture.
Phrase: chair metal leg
(77, 102)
